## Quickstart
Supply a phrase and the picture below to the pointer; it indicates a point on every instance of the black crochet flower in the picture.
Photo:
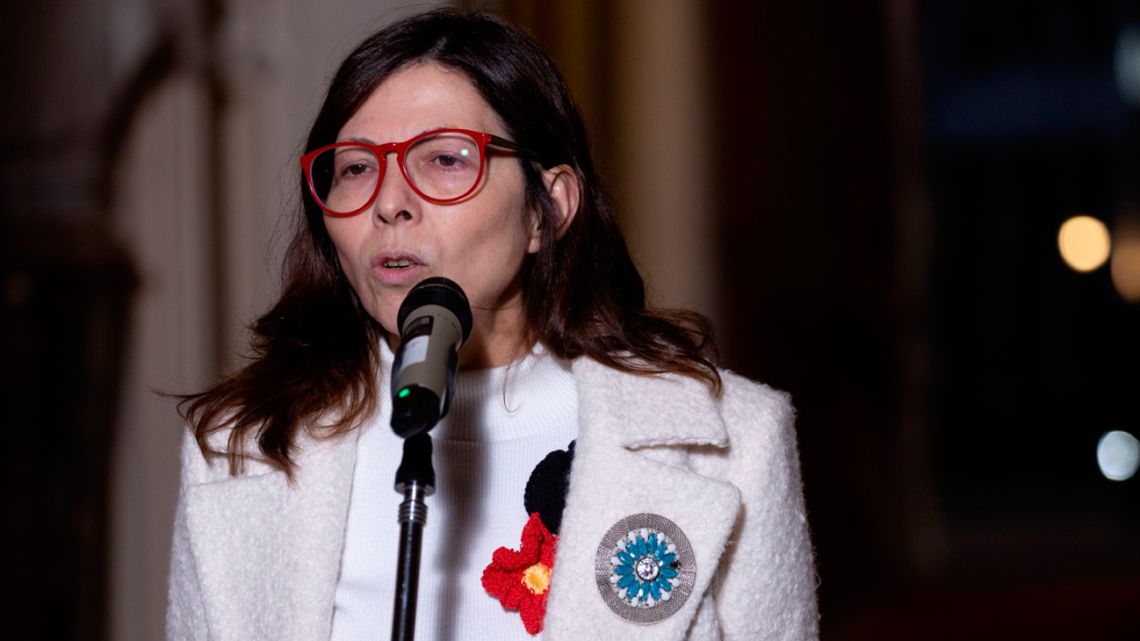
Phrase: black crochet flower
(546, 489)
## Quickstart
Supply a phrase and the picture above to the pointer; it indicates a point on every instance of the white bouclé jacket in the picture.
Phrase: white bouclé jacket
(256, 557)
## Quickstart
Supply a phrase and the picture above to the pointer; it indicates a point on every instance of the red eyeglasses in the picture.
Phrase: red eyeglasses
(442, 166)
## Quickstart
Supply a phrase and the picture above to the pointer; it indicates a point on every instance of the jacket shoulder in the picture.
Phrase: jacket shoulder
(200, 467)
(745, 402)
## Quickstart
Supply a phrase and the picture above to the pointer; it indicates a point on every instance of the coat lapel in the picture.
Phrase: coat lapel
(267, 552)
(630, 459)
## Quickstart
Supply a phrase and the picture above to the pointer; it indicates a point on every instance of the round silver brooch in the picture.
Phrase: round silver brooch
(645, 568)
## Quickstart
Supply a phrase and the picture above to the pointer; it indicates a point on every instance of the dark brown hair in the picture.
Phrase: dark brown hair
(316, 351)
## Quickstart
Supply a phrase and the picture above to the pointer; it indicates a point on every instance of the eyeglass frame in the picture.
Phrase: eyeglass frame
(381, 151)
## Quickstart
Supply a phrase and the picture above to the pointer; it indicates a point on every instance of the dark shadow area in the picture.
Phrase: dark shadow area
(951, 399)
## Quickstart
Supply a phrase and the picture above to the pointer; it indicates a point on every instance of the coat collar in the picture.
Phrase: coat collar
(264, 546)
(630, 409)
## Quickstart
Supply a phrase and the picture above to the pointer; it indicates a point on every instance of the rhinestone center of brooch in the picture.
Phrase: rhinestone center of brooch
(647, 568)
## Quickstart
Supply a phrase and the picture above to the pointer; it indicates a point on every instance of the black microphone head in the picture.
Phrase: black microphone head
(434, 322)
(441, 291)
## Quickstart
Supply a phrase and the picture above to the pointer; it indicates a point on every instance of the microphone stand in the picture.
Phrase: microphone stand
(415, 479)
(434, 321)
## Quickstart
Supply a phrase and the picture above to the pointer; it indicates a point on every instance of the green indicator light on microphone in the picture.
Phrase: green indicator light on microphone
(404, 392)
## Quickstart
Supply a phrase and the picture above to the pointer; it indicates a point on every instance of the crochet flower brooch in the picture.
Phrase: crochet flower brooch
(520, 579)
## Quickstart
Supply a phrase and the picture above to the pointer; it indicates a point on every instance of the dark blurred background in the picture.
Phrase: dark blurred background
(920, 218)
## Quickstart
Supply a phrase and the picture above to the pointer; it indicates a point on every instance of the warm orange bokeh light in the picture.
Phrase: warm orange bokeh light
(1084, 243)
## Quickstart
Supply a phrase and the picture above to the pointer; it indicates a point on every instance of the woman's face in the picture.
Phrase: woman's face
(479, 242)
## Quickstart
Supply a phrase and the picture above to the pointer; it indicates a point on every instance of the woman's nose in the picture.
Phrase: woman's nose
(396, 199)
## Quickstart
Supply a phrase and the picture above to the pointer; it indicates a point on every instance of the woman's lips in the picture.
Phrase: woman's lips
(398, 268)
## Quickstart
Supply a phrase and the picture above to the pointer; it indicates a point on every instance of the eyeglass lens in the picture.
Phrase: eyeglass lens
(442, 167)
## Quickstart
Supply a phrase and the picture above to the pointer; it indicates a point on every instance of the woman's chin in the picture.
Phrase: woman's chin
(385, 315)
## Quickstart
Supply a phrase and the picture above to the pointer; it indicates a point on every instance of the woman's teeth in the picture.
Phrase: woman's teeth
(403, 262)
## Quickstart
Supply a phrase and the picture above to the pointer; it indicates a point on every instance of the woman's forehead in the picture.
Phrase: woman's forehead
(418, 98)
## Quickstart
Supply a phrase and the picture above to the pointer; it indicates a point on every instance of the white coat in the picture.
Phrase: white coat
(257, 558)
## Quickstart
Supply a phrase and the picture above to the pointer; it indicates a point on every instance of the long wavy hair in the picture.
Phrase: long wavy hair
(316, 352)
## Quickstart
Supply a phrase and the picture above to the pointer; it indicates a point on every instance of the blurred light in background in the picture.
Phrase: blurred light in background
(1118, 455)
(1126, 258)
(1128, 65)
(1084, 243)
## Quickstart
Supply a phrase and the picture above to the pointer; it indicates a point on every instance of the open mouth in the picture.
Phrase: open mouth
(397, 263)
(397, 268)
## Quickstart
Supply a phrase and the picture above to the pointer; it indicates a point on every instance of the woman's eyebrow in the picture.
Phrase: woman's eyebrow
(362, 139)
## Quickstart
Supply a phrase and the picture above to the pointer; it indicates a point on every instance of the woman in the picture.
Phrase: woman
(598, 476)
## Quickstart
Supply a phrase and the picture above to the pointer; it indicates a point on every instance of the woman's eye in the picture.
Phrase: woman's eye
(354, 170)
(445, 155)
(450, 161)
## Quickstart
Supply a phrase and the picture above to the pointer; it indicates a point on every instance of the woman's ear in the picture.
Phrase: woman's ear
(562, 185)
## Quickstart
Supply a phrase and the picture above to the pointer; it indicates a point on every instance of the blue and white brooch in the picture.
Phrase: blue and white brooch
(645, 569)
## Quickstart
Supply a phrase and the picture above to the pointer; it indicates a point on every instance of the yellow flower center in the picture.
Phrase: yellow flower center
(536, 578)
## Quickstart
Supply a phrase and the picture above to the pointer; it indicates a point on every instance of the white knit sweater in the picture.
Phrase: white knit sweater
(501, 424)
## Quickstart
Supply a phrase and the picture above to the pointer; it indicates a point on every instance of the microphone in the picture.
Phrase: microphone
(434, 322)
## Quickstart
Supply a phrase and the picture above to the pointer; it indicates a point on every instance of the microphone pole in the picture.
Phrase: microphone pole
(415, 479)
(434, 322)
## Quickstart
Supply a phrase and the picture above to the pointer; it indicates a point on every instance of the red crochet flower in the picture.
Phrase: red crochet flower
(521, 580)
